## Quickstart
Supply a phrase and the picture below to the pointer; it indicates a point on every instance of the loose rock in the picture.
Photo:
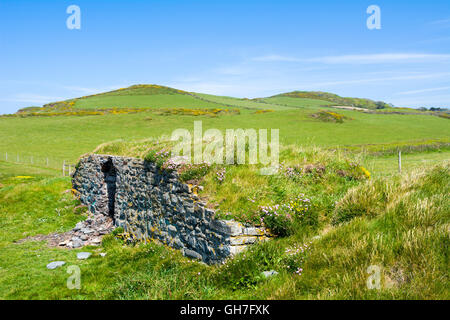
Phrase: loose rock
(268, 274)
(83, 255)
(55, 264)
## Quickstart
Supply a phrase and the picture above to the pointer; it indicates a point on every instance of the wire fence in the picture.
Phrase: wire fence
(66, 168)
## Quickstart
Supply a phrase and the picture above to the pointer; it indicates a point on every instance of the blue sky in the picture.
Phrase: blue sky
(238, 48)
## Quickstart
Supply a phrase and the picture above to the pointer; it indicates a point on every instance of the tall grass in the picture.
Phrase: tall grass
(407, 236)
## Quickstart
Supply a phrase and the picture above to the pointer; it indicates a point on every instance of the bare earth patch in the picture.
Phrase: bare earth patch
(350, 108)
(86, 233)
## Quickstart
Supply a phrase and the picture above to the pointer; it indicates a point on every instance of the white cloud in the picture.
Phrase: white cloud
(381, 58)
(425, 101)
(424, 90)
(275, 58)
(69, 92)
(377, 58)
(442, 22)
(363, 80)
(32, 98)
(434, 40)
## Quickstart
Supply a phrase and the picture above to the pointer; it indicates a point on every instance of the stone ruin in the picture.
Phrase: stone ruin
(150, 204)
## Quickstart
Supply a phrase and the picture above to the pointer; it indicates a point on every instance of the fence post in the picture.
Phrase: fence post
(17, 158)
(47, 162)
(6, 156)
(64, 168)
(399, 161)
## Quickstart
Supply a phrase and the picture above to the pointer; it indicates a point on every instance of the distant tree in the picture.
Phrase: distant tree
(381, 105)
(438, 109)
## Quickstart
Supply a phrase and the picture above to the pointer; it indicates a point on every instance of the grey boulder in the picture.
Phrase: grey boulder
(55, 264)
(83, 255)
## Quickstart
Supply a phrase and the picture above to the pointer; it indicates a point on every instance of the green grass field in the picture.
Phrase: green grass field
(396, 221)
(389, 165)
(414, 263)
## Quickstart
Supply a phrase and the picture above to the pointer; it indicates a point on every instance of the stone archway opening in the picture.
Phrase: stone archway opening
(110, 176)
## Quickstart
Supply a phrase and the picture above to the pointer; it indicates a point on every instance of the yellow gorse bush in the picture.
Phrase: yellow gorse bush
(78, 112)
(330, 116)
(263, 111)
(365, 172)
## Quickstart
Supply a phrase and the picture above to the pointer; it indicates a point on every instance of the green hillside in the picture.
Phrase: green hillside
(134, 97)
(143, 96)
(257, 104)
(335, 99)
(296, 102)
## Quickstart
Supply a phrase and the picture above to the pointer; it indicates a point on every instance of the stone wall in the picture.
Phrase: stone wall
(150, 204)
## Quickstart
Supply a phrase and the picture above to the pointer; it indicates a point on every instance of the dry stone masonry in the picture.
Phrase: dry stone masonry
(152, 204)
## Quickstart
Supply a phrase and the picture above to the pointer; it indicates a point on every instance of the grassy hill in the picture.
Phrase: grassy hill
(317, 100)
(153, 96)
(332, 99)
(67, 129)
(137, 96)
